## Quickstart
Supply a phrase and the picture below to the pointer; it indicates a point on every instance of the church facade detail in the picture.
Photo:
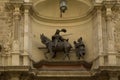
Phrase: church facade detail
(96, 23)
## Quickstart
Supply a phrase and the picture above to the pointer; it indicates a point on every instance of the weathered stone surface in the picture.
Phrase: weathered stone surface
(96, 21)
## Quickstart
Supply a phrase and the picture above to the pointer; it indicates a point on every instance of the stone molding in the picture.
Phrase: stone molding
(76, 21)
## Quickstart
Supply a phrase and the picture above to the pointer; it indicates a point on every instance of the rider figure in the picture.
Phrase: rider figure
(57, 37)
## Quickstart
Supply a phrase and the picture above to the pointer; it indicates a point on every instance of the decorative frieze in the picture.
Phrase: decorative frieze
(116, 22)
(5, 29)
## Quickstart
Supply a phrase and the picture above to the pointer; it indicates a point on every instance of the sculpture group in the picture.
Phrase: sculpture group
(59, 44)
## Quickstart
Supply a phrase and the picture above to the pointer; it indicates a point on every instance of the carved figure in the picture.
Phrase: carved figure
(7, 47)
(15, 45)
(56, 38)
(79, 48)
(56, 44)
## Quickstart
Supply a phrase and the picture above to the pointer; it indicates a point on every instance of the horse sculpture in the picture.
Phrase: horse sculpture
(64, 46)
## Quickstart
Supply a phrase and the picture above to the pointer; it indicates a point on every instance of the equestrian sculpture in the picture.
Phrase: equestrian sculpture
(57, 44)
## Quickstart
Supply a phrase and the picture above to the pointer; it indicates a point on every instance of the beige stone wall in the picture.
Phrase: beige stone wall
(99, 28)
(80, 30)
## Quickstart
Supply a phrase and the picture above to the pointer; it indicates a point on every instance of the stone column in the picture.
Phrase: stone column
(100, 36)
(16, 44)
(27, 40)
(110, 37)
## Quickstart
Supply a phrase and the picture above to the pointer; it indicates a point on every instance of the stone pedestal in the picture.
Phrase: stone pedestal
(26, 60)
(15, 59)
(15, 54)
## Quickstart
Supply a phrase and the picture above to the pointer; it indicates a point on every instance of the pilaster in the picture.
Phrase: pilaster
(110, 36)
(100, 35)
(16, 34)
(27, 32)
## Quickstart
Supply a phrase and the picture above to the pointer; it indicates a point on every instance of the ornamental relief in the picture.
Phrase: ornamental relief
(6, 32)
(116, 22)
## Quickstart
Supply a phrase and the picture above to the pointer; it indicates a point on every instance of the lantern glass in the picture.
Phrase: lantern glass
(63, 5)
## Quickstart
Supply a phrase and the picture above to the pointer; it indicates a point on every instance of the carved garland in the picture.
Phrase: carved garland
(116, 22)
(7, 32)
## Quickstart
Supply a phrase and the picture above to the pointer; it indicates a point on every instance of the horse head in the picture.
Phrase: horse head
(44, 39)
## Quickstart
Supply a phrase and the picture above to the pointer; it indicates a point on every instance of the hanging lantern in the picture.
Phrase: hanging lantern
(63, 6)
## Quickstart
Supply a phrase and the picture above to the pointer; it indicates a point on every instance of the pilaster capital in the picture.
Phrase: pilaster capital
(16, 1)
(15, 8)
(99, 8)
(109, 2)
(27, 6)
(108, 5)
(12, 4)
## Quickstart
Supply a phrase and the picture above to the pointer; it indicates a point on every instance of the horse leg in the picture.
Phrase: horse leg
(66, 54)
(82, 55)
(79, 56)
(45, 54)
(54, 55)
(50, 50)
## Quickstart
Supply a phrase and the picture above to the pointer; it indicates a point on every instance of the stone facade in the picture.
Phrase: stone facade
(96, 21)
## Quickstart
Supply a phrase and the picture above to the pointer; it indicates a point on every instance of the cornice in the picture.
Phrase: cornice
(14, 68)
(64, 74)
(84, 1)
(47, 20)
